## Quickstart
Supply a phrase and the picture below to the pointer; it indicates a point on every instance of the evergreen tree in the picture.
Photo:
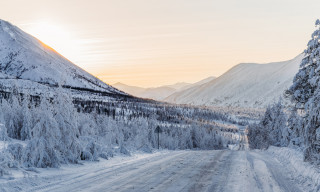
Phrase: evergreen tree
(271, 130)
(295, 129)
(307, 79)
(305, 92)
(312, 129)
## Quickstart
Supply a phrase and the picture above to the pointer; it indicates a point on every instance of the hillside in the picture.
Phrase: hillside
(159, 93)
(27, 60)
(245, 85)
(156, 93)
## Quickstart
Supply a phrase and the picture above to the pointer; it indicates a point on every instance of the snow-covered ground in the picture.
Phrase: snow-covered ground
(211, 170)
(305, 174)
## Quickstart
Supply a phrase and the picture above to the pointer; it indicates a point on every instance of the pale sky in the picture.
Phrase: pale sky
(155, 42)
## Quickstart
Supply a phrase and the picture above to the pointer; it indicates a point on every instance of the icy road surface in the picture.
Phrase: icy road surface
(224, 170)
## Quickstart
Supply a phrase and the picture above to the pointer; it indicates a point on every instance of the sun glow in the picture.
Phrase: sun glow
(54, 36)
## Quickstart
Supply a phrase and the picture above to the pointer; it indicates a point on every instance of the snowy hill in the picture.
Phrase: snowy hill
(179, 86)
(133, 90)
(158, 93)
(27, 59)
(203, 81)
(245, 85)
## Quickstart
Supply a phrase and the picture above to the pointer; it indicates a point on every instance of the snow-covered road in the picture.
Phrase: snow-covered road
(220, 170)
(211, 170)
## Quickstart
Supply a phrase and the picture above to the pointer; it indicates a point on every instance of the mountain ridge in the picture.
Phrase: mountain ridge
(24, 57)
(158, 93)
(244, 85)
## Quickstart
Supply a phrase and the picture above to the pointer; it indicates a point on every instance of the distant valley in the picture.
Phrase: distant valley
(159, 93)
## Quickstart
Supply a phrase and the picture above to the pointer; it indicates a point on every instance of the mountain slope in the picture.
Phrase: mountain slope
(25, 58)
(179, 86)
(245, 85)
(158, 93)
(133, 90)
(203, 81)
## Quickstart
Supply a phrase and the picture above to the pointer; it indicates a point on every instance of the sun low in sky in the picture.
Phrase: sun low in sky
(155, 42)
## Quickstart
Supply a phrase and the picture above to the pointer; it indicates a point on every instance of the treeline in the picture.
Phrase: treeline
(278, 127)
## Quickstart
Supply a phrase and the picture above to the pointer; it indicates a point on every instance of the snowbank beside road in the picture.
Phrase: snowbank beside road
(37, 178)
(308, 175)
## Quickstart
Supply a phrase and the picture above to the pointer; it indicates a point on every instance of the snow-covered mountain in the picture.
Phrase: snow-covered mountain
(133, 90)
(27, 59)
(203, 81)
(245, 85)
(158, 93)
(179, 86)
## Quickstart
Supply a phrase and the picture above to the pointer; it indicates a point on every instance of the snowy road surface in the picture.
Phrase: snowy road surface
(211, 170)
(220, 170)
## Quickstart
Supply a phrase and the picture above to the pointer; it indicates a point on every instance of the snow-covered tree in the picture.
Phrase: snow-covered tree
(258, 136)
(312, 129)
(271, 130)
(27, 119)
(65, 115)
(13, 116)
(3, 129)
(307, 79)
(305, 92)
(41, 149)
(274, 122)
(295, 129)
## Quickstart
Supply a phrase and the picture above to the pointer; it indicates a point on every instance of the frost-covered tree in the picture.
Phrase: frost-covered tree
(271, 130)
(312, 129)
(27, 124)
(13, 116)
(295, 129)
(307, 79)
(3, 129)
(65, 115)
(305, 93)
(41, 150)
(258, 136)
(274, 122)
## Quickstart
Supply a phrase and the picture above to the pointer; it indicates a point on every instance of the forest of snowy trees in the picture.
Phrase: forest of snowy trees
(299, 125)
(53, 130)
